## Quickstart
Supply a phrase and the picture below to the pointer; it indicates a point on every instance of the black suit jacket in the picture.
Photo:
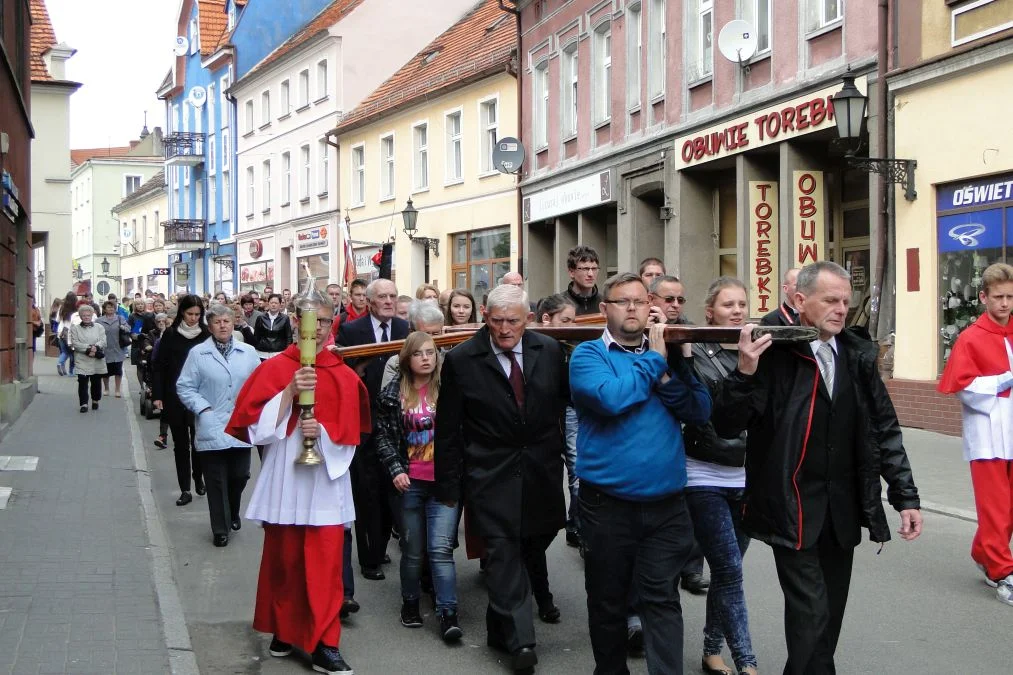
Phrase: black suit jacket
(360, 332)
(782, 316)
(508, 460)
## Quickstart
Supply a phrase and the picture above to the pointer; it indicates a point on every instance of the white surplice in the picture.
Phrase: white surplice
(290, 494)
(988, 417)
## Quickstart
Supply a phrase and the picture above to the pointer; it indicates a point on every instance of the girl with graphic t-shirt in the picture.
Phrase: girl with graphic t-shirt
(406, 416)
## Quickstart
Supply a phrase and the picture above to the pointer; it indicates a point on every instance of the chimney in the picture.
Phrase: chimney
(134, 144)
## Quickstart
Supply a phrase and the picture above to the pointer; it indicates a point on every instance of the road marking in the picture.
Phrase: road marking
(18, 463)
(5, 495)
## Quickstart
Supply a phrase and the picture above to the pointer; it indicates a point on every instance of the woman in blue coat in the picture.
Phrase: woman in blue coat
(212, 376)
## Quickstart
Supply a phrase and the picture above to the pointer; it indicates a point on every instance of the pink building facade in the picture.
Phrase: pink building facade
(642, 139)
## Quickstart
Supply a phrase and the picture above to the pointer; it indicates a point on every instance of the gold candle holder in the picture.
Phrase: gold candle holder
(309, 456)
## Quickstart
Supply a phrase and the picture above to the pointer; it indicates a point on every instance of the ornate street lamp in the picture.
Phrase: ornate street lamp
(104, 265)
(411, 217)
(224, 260)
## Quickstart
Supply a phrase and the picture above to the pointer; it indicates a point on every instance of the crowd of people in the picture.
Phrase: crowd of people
(672, 454)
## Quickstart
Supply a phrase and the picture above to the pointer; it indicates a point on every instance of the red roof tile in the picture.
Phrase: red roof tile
(43, 39)
(480, 43)
(329, 16)
(83, 155)
(213, 23)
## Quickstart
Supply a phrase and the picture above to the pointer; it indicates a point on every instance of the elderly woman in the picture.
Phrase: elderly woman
(117, 333)
(212, 376)
(87, 340)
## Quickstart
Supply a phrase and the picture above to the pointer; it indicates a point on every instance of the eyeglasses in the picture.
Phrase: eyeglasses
(418, 354)
(593, 270)
(626, 303)
(673, 298)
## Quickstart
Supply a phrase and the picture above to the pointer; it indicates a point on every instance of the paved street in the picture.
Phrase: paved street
(79, 576)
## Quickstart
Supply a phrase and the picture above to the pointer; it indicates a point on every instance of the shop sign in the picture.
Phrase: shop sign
(791, 119)
(763, 246)
(576, 195)
(967, 194)
(312, 238)
(160, 271)
(970, 231)
(182, 272)
(261, 248)
(809, 210)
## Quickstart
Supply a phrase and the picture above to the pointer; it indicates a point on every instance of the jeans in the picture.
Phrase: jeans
(65, 355)
(421, 514)
(627, 542)
(717, 523)
(570, 459)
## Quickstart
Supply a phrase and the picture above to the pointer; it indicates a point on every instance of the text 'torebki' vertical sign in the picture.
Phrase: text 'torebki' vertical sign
(809, 208)
(763, 247)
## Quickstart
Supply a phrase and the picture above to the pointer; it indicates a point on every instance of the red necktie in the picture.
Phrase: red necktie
(516, 380)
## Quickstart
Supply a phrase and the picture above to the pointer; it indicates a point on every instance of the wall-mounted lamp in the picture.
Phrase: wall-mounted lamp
(411, 216)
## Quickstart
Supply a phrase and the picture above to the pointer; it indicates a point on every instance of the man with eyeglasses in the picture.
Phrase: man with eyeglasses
(370, 483)
(499, 444)
(582, 264)
(631, 401)
(666, 293)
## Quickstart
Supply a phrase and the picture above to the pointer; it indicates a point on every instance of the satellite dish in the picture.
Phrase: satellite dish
(182, 46)
(126, 233)
(508, 155)
(737, 41)
(198, 96)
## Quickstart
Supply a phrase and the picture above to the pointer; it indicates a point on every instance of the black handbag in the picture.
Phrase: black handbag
(99, 353)
(125, 339)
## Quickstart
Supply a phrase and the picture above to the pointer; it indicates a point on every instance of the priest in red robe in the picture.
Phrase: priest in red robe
(980, 372)
(304, 509)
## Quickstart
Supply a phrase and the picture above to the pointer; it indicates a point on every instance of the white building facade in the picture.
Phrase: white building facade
(143, 264)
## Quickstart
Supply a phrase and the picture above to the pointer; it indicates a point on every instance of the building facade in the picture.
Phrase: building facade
(142, 250)
(17, 285)
(286, 105)
(949, 55)
(643, 139)
(427, 135)
(51, 223)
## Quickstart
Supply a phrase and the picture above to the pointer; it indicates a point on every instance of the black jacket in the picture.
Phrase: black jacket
(360, 332)
(775, 405)
(703, 442)
(782, 316)
(268, 339)
(586, 304)
(170, 356)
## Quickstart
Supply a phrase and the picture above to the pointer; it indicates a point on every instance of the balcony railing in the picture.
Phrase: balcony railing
(185, 233)
(185, 148)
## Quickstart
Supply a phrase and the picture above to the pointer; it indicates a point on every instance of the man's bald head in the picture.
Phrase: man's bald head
(788, 286)
(512, 279)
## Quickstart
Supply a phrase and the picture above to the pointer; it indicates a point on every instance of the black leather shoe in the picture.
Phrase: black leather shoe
(328, 660)
(184, 499)
(84, 408)
(573, 538)
(524, 659)
(221, 540)
(279, 648)
(94, 405)
(237, 524)
(695, 583)
(386, 559)
(198, 486)
(450, 629)
(349, 606)
(373, 573)
(548, 612)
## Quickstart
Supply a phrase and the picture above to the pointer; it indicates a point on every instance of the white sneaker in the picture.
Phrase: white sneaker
(988, 582)
(1004, 590)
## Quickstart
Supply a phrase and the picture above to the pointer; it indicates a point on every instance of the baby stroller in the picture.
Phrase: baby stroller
(148, 408)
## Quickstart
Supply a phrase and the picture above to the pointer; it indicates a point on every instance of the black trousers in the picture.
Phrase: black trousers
(373, 518)
(225, 474)
(183, 450)
(642, 543)
(815, 582)
(83, 382)
(533, 553)
(509, 617)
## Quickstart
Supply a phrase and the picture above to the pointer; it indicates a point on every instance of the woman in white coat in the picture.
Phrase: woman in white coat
(87, 341)
(212, 376)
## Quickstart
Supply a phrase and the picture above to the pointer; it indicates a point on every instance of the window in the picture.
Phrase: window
(568, 112)
(224, 101)
(420, 155)
(454, 158)
(186, 176)
(212, 160)
(703, 55)
(974, 20)
(286, 178)
(226, 197)
(304, 193)
(324, 176)
(634, 55)
(603, 73)
(212, 124)
(194, 37)
(285, 99)
(322, 80)
(540, 89)
(198, 200)
(265, 109)
(481, 258)
(226, 151)
(822, 13)
(249, 117)
(212, 198)
(757, 12)
(232, 17)
(657, 49)
(266, 176)
(131, 184)
(488, 113)
(358, 175)
(304, 88)
(387, 167)
(251, 189)
(158, 228)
